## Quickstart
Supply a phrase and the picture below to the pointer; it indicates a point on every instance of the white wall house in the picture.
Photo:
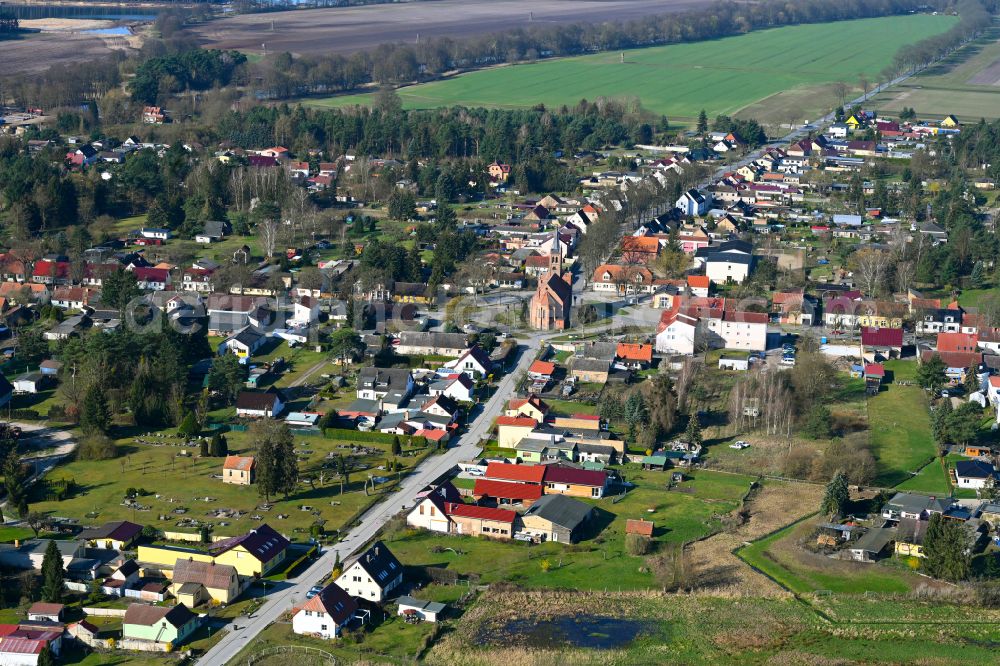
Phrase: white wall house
(374, 575)
(677, 334)
(325, 614)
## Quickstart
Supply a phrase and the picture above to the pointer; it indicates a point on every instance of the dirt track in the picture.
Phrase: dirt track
(345, 30)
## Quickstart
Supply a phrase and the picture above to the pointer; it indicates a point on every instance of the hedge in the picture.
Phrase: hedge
(29, 414)
(370, 437)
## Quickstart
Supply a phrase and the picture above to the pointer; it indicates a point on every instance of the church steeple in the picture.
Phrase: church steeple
(555, 256)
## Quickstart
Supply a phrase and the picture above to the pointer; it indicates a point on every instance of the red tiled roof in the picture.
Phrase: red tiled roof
(480, 512)
(955, 359)
(881, 337)
(875, 369)
(578, 477)
(242, 463)
(702, 281)
(957, 342)
(642, 527)
(45, 268)
(509, 472)
(542, 367)
(519, 421)
(504, 490)
(745, 317)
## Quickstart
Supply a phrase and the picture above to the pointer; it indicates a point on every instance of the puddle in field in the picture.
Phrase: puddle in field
(578, 631)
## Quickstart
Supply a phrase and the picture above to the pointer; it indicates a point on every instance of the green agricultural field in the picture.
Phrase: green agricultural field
(721, 76)
(967, 85)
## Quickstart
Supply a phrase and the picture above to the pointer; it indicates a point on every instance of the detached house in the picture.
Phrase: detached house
(260, 404)
(159, 624)
(373, 575)
(474, 363)
(693, 203)
(326, 614)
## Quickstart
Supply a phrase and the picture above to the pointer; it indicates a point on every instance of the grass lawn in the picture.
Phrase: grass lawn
(390, 641)
(902, 370)
(931, 479)
(175, 482)
(720, 76)
(570, 407)
(681, 515)
(900, 433)
(780, 558)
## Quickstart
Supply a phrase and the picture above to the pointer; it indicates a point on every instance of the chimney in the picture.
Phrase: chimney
(17, 543)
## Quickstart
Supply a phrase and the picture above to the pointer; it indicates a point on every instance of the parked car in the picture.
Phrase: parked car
(788, 360)
(313, 591)
(740, 445)
(475, 471)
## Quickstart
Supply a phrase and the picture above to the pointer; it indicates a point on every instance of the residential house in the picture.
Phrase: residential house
(228, 314)
(159, 624)
(507, 492)
(623, 280)
(918, 507)
(676, 333)
(193, 582)
(532, 407)
(71, 298)
(975, 474)
(473, 362)
(244, 343)
(881, 314)
(633, 356)
(326, 614)
(432, 343)
(481, 521)
(541, 370)
(457, 386)
(700, 285)
(693, 203)
(117, 535)
(376, 383)
(932, 321)
(590, 370)
(574, 482)
(373, 575)
(153, 115)
(46, 612)
(557, 518)
(239, 470)
(872, 545)
(728, 266)
(498, 172)
(260, 404)
(512, 429)
(885, 342)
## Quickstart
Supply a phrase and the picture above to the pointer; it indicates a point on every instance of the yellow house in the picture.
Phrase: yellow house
(950, 121)
(118, 535)
(882, 315)
(532, 407)
(252, 554)
(512, 429)
(910, 537)
(194, 582)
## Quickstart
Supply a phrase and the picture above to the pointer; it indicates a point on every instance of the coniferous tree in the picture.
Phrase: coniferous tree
(95, 413)
(692, 435)
(837, 495)
(15, 477)
(53, 575)
(702, 122)
(946, 553)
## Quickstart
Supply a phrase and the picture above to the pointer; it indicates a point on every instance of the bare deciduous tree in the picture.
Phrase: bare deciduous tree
(870, 268)
(267, 233)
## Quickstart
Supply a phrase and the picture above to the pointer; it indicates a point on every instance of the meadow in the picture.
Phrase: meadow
(721, 76)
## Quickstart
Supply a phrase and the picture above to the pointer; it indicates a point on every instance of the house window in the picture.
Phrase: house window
(421, 509)
(595, 492)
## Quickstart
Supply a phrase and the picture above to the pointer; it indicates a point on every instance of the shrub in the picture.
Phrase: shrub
(636, 544)
(97, 447)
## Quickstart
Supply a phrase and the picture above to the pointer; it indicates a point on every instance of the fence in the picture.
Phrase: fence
(291, 649)
(307, 432)
(182, 536)
(105, 612)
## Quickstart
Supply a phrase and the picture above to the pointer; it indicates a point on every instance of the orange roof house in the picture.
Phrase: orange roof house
(641, 353)
(957, 342)
(542, 368)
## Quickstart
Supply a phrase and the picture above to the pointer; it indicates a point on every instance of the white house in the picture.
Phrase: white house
(429, 511)
(29, 382)
(975, 474)
(726, 267)
(325, 614)
(260, 404)
(676, 333)
(457, 387)
(474, 362)
(305, 312)
(694, 203)
(374, 575)
(737, 330)
(158, 234)
(244, 343)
